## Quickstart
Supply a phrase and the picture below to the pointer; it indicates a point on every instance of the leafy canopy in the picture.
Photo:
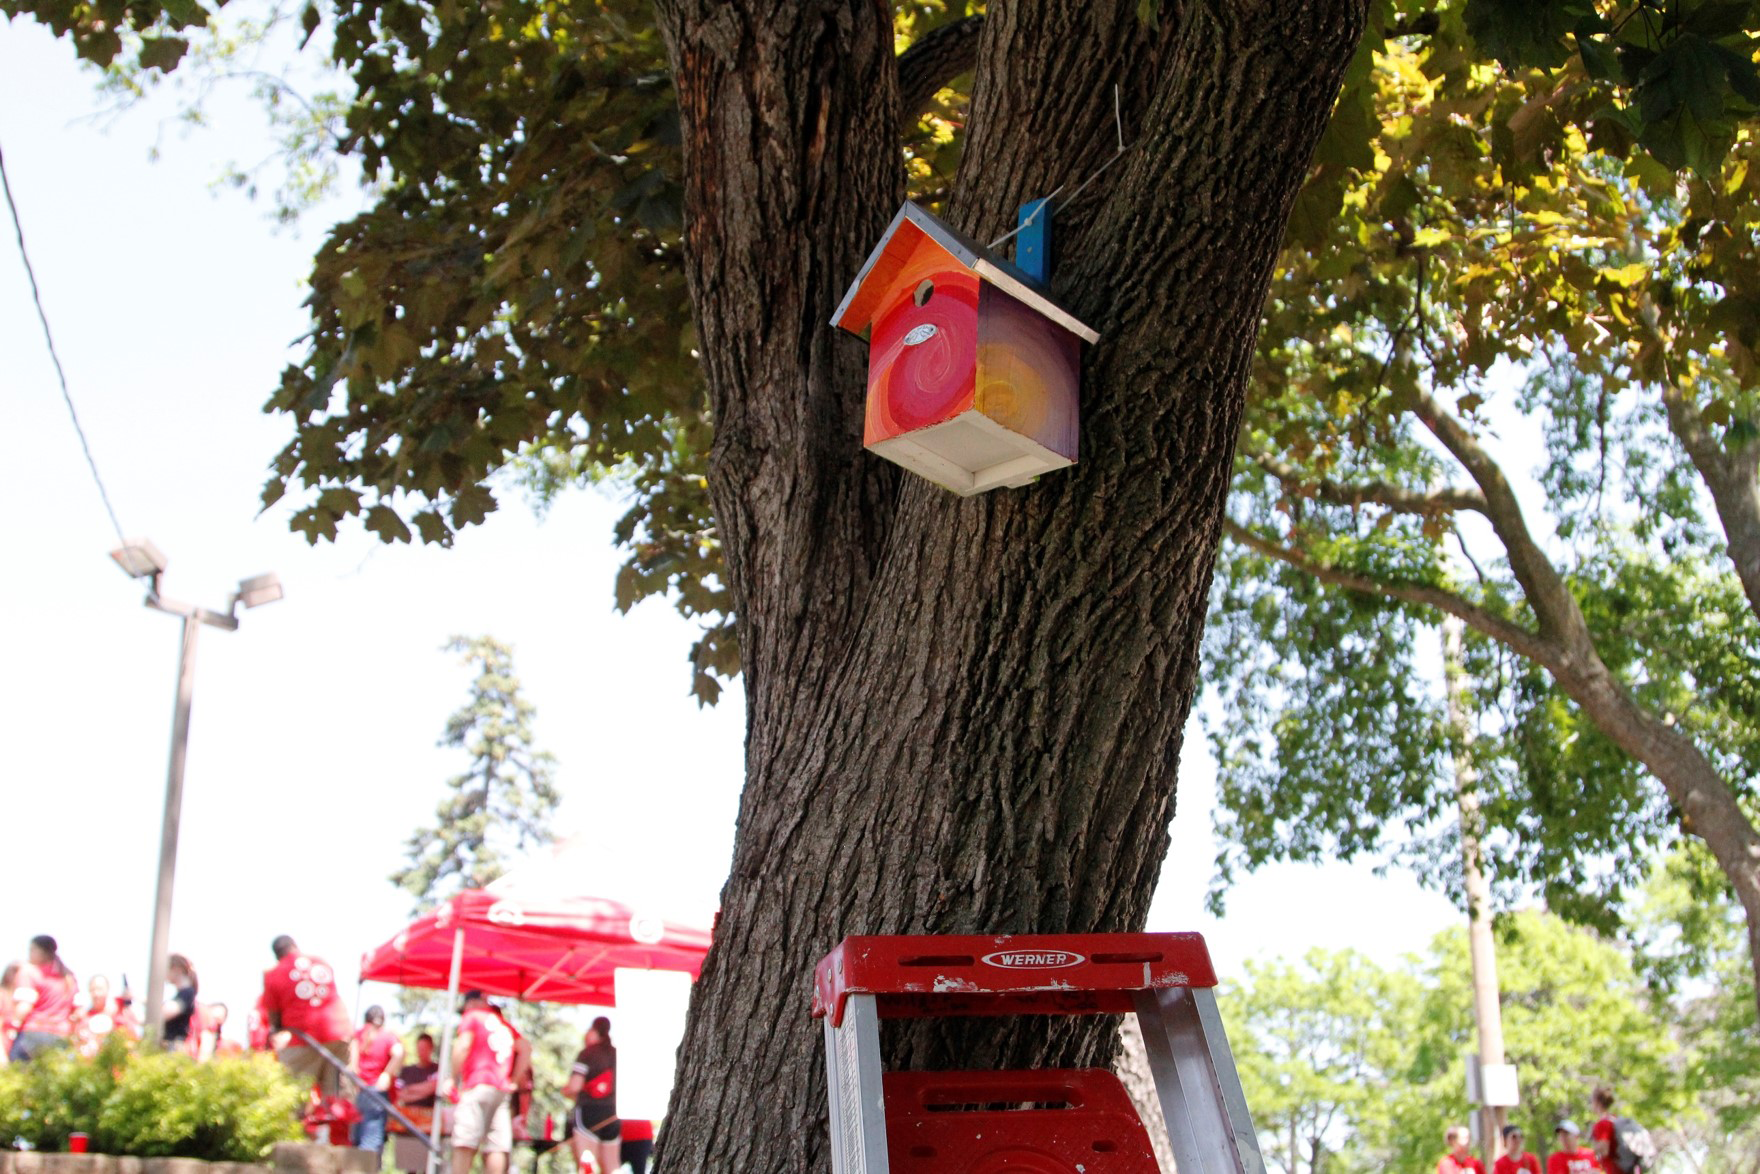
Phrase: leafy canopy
(1363, 1064)
(514, 299)
(1486, 253)
(1503, 182)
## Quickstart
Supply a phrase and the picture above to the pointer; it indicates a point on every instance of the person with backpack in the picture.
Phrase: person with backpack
(1620, 1143)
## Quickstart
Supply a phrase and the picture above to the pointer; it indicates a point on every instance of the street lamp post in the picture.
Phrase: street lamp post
(142, 560)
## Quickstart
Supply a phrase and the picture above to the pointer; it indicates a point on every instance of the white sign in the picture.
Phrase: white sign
(1492, 1085)
(647, 1026)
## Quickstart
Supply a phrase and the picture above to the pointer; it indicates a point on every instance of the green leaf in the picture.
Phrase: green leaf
(1522, 33)
(1601, 59)
(315, 523)
(432, 527)
(340, 501)
(1625, 275)
(471, 505)
(99, 46)
(1719, 18)
(383, 521)
(162, 53)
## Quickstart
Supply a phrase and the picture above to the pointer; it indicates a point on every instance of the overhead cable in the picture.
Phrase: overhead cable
(49, 337)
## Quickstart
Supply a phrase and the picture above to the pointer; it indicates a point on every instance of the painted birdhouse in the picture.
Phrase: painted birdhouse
(972, 369)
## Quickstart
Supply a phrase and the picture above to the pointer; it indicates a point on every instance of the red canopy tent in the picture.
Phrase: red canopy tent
(526, 938)
(533, 946)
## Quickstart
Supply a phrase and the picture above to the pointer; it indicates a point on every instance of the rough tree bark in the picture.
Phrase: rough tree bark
(964, 715)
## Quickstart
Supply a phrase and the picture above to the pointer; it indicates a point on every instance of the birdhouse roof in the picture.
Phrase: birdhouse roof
(889, 256)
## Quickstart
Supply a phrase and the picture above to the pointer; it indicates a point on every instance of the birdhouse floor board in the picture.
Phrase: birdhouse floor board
(969, 454)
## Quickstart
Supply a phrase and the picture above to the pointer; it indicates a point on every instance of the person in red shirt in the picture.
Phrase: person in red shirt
(1459, 1159)
(256, 1027)
(519, 1105)
(214, 1043)
(483, 1057)
(42, 1002)
(102, 1018)
(637, 1143)
(8, 979)
(374, 1057)
(299, 995)
(1568, 1155)
(1604, 1134)
(1515, 1159)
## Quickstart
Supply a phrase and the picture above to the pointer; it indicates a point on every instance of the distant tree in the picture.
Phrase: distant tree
(1692, 950)
(1350, 1066)
(496, 809)
(1574, 1015)
(501, 804)
(1317, 1043)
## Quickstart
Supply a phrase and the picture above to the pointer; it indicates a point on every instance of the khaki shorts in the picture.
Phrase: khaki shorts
(306, 1064)
(482, 1120)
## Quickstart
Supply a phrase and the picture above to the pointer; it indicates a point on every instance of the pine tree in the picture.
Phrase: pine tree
(501, 804)
(495, 810)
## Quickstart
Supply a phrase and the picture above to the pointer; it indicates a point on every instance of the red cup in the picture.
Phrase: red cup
(76, 1143)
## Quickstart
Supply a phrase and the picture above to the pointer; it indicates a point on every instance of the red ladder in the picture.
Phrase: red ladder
(1075, 1121)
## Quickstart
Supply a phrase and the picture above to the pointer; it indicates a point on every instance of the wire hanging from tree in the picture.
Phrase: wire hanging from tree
(54, 355)
(1118, 122)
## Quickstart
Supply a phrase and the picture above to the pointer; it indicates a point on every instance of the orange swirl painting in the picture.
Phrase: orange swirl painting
(973, 372)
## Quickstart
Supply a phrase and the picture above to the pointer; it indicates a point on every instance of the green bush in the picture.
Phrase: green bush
(151, 1105)
(13, 1114)
(56, 1094)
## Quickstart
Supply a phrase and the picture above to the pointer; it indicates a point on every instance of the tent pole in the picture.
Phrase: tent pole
(448, 1025)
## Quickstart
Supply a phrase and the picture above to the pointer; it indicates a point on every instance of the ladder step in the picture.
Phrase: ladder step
(1030, 1121)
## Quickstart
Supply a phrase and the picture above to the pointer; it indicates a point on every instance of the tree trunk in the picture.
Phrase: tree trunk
(964, 716)
(1481, 946)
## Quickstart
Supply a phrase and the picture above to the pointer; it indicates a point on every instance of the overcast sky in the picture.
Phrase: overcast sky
(313, 746)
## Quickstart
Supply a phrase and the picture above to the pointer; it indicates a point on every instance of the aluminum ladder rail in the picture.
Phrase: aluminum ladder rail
(1166, 980)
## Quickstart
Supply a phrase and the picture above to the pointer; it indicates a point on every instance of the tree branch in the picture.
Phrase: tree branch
(1561, 621)
(1529, 644)
(1707, 804)
(1395, 497)
(935, 60)
(1731, 478)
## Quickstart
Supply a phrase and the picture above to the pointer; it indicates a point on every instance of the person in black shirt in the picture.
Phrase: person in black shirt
(415, 1087)
(593, 1085)
(180, 1011)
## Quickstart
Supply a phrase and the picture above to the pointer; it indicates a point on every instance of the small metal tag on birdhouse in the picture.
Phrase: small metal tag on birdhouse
(973, 371)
